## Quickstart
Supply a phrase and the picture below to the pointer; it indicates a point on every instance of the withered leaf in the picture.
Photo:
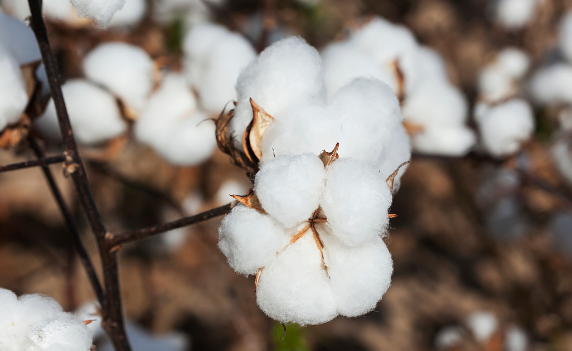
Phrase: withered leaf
(13, 134)
(250, 200)
(329, 157)
(393, 175)
(225, 143)
(252, 137)
(391, 215)
(299, 235)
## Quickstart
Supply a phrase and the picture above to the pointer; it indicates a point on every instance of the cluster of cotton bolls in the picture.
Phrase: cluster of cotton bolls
(435, 109)
(482, 328)
(505, 121)
(514, 14)
(312, 226)
(38, 323)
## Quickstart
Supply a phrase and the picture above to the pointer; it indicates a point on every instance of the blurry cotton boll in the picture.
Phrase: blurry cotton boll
(516, 339)
(504, 127)
(93, 112)
(90, 311)
(482, 325)
(448, 338)
(100, 11)
(214, 58)
(514, 14)
(38, 323)
(192, 12)
(440, 110)
(131, 14)
(142, 340)
(499, 80)
(431, 65)
(18, 38)
(13, 96)
(565, 36)
(124, 69)
(173, 126)
(228, 188)
(551, 85)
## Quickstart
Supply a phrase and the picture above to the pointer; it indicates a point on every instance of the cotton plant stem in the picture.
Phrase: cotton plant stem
(76, 240)
(42, 162)
(111, 307)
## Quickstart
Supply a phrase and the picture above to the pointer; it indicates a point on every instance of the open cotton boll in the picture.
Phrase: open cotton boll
(13, 96)
(355, 201)
(294, 288)
(89, 311)
(444, 140)
(62, 333)
(18, 38)
(93, 112)
(448, 337)
(101, 11)
(228, 188)
(551, 84)
(514, 62)
(172, 126)
(250, 239)
(482, 325)
(131, 14)
(498, 80)
(514, 14)
(399, 151)
(289, 187)
(125, 69)
(286, 73)
(431, 65)
(143, 340)
(343, 62)
(359, 276)
(504, 127)
(516, 339)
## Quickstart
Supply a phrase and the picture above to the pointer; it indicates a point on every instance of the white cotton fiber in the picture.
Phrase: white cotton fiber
(17, 38)
(448, 337)
(289, 187)
(250, 239)
(565, 35)
(505, 127)
(498, 80)
(101, 11)
(171, 124)
(17, 8)
(93, 112)
(513, 61)
(431, 65)
(359, 276)
(124, 69)
(62, 333)
(228, 188)
(294, 288)
(131, 14)
(13, 96)
(516, 339)
(143, 340)
(355, 201)
(287, 73)
(514, 14)
(482, 325)
(552, 84)
(444, 140)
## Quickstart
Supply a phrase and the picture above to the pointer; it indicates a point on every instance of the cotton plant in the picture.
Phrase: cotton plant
(38, 323)
(514, 14)
(505, 121)
(435, 111)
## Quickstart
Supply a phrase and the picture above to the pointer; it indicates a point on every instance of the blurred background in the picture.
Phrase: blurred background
(482, 245)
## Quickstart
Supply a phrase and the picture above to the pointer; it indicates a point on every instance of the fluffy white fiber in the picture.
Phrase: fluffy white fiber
(131, 14)
(551, 84)
(93, 112)
(18, 39)
(448, 337)
(514, 14)
(482, 325)
(565, 35)
(38, 323)
(214, 57)
(142, 340)
(124, 69)
(498, 80)
(101, 11)
(13, 96)
(171, 124)
(516, 339)
(504, 127)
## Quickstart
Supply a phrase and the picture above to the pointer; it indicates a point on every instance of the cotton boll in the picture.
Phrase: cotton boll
(448, 337)
(551, 84)
(434, 103)
(399, 151)
(444, 140)
(13, 96)
(89, 311)
(343, 62)
(359, 276)
(124, 69)
(505, 127)
(100, 11)
(355, 201)
(17, 38)
(516, 339)
(289, 187)
(171, 124)
(286, 73)
(250, 239)
(514, 14)
(498, 80)
(482, 325)
(294, 288)
(93, 112)
(228, 188)
(131, 14)
(17, 8)
(142, 340)
(431, 65)
(62, 333)
(514, 62)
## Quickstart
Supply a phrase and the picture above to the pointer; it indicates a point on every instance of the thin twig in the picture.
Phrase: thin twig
(76, 240)
(115, 240)
(44, 161)
(112, 309)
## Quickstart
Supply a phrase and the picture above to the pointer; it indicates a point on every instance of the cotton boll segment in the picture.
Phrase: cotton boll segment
(250, 239)
(294, 288)
(289, 187)
(93, 112)
(355, 201)
(431, 65)
(448, 337)
(17, 38)
(126, 70)
(552, 84)
(514, 14)
(482, 325)
(13, 96)
(142, 340)
(444, 140)
(62, 333)
(359, 276)
(131, 14)
(498, 80)
(286, 73)
(100, 11)
(516, 339)
(505, 127)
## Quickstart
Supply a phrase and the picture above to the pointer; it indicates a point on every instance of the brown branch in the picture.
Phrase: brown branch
(115, 240)
(43, 161)
(112, 309)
